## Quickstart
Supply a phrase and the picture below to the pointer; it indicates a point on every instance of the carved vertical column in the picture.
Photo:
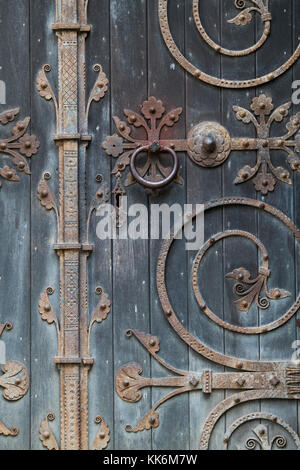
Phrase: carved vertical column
(73, 247)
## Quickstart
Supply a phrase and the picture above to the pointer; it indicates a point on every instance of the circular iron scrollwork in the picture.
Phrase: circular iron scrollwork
(196, 72)
(241, 19)
(246, 288)
(262, 438)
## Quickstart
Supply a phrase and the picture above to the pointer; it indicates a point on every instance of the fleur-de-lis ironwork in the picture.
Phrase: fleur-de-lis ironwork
(18, 146)
(262, 107)
(15, 383)
(124, 146)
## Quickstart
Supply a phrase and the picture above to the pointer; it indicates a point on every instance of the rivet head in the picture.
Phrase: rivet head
(46, 434)
(21, 166)
(245, 304)
(126, 383)
(103, 306)
(274, 381)
(47, 308)
(102, 435)
(261, 431)
(169, 312)
(132, 118)
(9, 174)
(152, 342)
(265, 143)
(237, 400)
(209, 143)
(240, 276)
(44, 193)
(44, 85)
(3, 146)
(172, 117)
(17, 381)
(27, 144)
(152, 420)
(193, 382)
(122, 127)
(152, 110)
(239, 365)
(8, 116)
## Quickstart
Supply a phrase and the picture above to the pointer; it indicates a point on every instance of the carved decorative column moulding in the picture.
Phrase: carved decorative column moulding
(15, 383)
(73, 327)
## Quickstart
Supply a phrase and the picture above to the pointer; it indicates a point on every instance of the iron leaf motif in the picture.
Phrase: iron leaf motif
(251, 293)
(46, 436)
(265, 179)
(122, 145)
(19, 146)
(103, 435)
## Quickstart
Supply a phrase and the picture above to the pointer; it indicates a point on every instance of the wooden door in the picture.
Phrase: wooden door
(149, 345)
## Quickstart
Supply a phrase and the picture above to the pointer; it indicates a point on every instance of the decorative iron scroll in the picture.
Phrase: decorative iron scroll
(262, 439)
(19, 146)
(73, 325)
(244, 17)
(251, 380)
(15, 383)
(125, 147)
(208, 144)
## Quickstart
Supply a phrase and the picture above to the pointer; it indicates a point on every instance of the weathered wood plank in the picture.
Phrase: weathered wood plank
(130, 257)
(44, 261)
(203, 104)
(15, 217)
(166, 82)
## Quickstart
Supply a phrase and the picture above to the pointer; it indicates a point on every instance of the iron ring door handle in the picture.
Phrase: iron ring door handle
(154, 184)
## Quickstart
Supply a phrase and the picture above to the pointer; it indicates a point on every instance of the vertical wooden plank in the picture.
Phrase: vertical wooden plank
(44, 261)
(277, 344)
(130, 257)
(237, 251)
(166, 82)
(202, 185)
(15, 217)
(101, 377)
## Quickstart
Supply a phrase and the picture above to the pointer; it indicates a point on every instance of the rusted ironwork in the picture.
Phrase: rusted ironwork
(242, 18)
(251, 380)
(126, 148)
(19, 146)
(50, 443)
(73, 248)
(261, 438)
(208, 144)
(14, 381)
(270, 383)
(247, 289)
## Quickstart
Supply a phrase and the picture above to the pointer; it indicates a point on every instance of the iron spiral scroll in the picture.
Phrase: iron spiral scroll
(245, 15)
(248, 380)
